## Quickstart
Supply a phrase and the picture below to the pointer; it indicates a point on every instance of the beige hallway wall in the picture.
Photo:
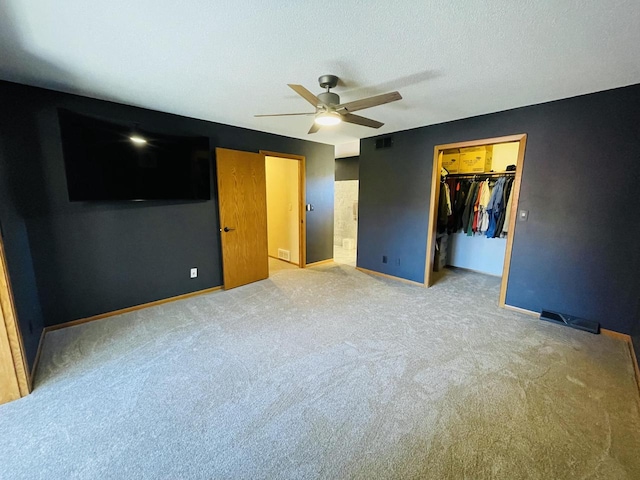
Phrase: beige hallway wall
(283, 217)
(345, 213)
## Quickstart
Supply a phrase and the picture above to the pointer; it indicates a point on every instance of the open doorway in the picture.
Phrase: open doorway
(474, 196)
(345, 215)
(285, 211)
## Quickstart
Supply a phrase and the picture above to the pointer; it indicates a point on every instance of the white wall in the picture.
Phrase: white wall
(349, 149)
(345, 212)
(283, 217)
(477, 253)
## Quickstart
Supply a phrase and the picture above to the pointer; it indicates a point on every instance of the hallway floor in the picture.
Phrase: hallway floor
(344, 256)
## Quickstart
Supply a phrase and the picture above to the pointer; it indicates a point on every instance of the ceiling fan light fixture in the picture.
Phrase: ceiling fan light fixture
(138, 140)
(328, 118)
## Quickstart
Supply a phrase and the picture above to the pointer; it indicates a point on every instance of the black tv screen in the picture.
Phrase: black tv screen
(107, 161)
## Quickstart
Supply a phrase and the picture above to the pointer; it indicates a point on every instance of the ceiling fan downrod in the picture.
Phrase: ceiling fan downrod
(328, 98)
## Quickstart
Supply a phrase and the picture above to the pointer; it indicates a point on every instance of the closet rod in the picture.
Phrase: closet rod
(476, 175)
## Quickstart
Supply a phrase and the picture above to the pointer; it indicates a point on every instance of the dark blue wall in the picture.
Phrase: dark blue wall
(73, 260)
(20, 265)
(579, 251)
(347, 168)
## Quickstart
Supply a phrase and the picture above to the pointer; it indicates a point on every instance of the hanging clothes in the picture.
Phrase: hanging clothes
(462, 191)
(495, 206)
(507, 218)
(483, 222)
(468, 207)
(448, 199)
(473, 206)
(453, 185)
(444, 207)
(476, 211)
(506, 211)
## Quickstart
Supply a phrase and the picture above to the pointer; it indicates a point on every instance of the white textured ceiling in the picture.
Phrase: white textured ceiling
(225, 61)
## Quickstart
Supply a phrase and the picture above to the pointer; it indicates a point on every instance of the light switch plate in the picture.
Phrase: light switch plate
(523, 215)
(194, 272)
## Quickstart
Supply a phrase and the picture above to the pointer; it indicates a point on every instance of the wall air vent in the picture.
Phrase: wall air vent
(385, 142)
(284, 254)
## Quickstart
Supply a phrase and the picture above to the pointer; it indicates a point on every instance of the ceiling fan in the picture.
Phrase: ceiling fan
(329, 110)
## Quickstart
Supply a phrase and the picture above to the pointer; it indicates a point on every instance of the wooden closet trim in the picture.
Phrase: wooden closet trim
(435, 195)
(12, 355)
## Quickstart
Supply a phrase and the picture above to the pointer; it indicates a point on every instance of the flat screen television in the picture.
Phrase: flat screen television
(107, 161)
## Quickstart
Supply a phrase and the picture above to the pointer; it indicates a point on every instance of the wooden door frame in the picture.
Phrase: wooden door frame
(435, 195)
(302, 226)
(11, 343)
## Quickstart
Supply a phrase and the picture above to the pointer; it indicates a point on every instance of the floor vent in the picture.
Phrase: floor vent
(283, 254)
(570, 321)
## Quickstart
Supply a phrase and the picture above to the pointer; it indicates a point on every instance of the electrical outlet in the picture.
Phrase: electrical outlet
(194, 272)
(384, 259)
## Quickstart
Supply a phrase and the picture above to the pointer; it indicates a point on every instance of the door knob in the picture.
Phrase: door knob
(227, 229)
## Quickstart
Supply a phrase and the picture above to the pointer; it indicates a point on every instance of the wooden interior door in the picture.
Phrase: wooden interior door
(242, 199)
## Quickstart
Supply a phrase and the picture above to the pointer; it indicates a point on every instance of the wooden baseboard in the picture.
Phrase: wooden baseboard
(634, 358)
(612, 334)
(80, 321)
(603, 331)
(285, 261)
(522, 310)
(321, 262)
(474, 271)
(36, 361)
(399, 279)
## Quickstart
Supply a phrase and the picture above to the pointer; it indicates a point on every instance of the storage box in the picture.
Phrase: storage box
(451, 161)
(475, 159)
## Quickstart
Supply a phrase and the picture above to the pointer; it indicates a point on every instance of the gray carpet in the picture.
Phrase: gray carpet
(327, 373)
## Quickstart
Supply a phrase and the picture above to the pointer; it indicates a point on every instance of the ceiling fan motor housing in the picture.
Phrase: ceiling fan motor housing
(329, 98)
(328, 81)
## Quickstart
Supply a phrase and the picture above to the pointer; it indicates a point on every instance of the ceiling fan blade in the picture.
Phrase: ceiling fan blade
(358, 120)
(369, 102)
(283, 114)
(306, 94)
(314, 128)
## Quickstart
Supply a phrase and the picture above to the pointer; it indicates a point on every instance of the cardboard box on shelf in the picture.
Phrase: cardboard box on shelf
(451, 161)
(475, 159)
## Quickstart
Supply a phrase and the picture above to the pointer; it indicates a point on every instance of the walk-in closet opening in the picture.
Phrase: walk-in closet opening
(474, 197)
(285, 211)
(345, 215)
